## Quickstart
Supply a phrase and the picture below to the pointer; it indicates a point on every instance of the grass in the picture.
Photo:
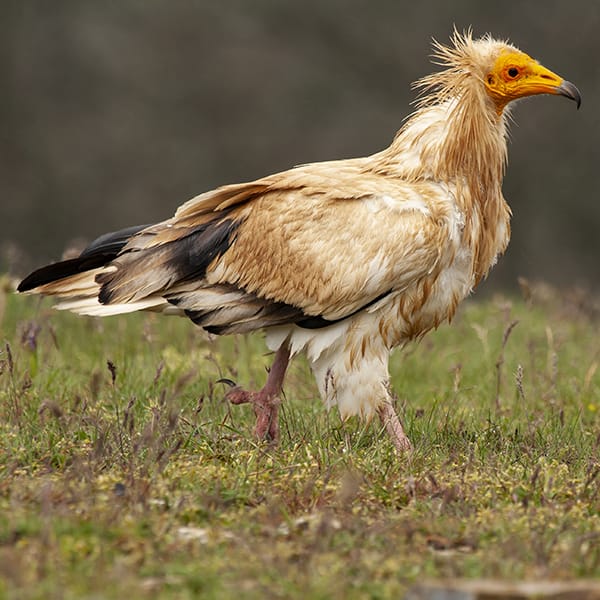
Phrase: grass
(122, 471)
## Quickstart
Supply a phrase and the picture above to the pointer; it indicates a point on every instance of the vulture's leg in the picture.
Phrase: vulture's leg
(267, 400)
(392, 424)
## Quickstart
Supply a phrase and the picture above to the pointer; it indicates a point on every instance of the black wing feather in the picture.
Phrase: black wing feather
(99, 253)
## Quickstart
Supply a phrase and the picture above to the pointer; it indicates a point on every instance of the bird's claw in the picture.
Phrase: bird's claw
(236, 395)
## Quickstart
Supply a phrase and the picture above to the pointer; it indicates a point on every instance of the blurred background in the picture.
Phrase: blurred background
(114, 113)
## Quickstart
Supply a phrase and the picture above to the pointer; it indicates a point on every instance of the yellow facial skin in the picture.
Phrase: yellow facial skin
(516, 75)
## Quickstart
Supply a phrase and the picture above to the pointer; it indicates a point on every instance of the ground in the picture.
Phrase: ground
(123, 471)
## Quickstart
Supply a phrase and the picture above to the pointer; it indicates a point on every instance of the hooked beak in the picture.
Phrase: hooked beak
(541, 80)
(567, 89)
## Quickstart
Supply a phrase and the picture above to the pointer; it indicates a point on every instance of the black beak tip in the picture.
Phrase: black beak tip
(570, 91)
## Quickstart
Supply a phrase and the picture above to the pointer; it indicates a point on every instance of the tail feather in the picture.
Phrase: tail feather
(99, 253)
(48, 275)
(78, 285)
(90, 306)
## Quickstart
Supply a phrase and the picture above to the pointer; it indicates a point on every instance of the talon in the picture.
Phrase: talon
(235, 395)
(265, 401)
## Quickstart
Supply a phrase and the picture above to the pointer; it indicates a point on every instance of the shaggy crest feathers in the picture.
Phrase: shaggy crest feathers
(465, 60)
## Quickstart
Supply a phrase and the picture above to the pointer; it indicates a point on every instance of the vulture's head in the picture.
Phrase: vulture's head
(495, 69)
(514, 74)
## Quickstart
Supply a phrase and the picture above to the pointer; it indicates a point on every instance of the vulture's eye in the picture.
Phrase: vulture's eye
(513, 72)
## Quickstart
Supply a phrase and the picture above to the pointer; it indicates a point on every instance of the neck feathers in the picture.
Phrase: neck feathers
(456, 137)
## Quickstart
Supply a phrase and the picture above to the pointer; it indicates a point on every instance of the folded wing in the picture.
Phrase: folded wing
(311, 246)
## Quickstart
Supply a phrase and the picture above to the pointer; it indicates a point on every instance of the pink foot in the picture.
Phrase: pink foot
(391, 422)
(266, 401)
(266, 409)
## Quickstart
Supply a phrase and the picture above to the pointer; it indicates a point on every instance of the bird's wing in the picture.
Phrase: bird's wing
(314, 244)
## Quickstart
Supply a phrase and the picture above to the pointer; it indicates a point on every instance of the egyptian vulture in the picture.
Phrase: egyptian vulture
(342, 260)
